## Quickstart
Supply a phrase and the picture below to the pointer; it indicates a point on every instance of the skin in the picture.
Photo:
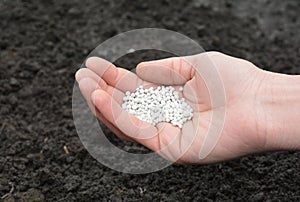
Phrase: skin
(255, 114)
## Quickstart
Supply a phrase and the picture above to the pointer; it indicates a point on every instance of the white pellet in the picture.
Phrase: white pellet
(162, 104)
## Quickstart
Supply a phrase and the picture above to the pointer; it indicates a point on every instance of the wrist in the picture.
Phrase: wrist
(279, 111)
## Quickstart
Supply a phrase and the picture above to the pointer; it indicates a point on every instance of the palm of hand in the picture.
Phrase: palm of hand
(103, 85)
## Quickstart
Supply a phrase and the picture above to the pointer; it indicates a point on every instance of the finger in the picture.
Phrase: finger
(119, 78)
(115, 93)
(113, 129)
(88, 89)
(169, 141)
(86, 73)
(186, 71)
(170, 71)
(197, 94)
(87, 86)
(130, 125)
(175, 143)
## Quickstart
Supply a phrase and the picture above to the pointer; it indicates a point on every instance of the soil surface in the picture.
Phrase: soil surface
(43, 43)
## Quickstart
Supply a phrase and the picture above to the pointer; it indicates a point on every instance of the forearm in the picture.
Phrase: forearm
(280, 105)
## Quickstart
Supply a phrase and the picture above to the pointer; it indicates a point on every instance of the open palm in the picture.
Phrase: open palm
(104, 85)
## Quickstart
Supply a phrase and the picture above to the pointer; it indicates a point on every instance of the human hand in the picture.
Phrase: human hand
(103, 86)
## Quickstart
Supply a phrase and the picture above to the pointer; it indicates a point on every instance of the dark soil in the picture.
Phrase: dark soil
(43, 43)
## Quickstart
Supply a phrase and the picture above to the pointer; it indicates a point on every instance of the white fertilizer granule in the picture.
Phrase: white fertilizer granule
(158, 105)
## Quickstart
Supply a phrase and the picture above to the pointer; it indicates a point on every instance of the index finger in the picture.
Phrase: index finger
(119, 78)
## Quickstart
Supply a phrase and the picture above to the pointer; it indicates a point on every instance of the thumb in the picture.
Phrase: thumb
(170, 71)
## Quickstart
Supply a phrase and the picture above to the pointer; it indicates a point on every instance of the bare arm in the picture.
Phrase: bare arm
(280, 103)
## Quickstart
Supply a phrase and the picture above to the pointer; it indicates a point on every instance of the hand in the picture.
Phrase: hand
(103, 86)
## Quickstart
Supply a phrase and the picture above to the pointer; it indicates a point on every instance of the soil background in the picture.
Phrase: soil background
(43, 43)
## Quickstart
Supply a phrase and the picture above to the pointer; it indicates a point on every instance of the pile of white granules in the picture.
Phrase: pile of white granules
(158, 105)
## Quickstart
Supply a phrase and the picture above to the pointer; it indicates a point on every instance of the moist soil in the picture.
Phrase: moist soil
(43, 43)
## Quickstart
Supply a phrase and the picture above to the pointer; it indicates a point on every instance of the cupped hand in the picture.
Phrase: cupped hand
(103, 85)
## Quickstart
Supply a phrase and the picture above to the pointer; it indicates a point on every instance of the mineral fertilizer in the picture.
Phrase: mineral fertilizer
(161, 104)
